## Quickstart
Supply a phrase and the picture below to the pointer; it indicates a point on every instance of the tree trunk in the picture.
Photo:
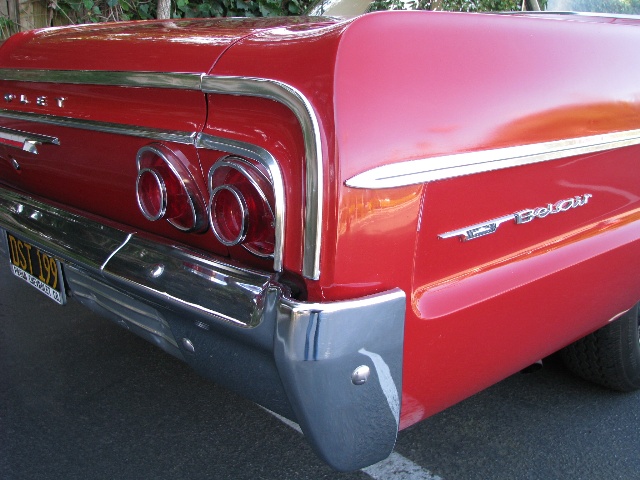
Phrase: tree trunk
(164, 9)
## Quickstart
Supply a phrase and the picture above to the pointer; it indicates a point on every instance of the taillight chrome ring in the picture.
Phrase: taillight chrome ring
(241, 166)
(183, 205)
(145, 208)
(237, 234)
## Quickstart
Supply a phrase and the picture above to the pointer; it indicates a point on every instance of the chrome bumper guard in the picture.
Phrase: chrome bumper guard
(335, 367)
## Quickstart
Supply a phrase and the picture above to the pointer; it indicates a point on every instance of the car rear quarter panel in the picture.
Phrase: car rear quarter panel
(421, 85)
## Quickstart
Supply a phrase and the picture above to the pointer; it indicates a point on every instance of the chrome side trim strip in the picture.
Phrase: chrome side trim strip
(116, 128)
(306, 116)
(182, 81)
(448, 166)
(24, 140)
(265, 158)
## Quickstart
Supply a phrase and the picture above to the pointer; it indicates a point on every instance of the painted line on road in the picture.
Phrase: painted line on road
(397, 467)
(394, 467)
(284, 420)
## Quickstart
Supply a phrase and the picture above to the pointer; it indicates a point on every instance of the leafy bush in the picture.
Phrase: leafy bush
(88, 11)
(449, 5)
(628, 7)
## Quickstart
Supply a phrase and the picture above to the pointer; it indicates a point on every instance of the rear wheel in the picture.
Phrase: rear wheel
(609, 356)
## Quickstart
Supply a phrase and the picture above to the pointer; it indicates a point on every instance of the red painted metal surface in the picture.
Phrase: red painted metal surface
(388, 88)
(165, 109)
(160, 46)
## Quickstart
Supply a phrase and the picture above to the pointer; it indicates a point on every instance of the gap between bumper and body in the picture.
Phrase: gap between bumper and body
(334, 367)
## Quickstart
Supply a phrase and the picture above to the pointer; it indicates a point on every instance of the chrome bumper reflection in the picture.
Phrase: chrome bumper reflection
(335, 368)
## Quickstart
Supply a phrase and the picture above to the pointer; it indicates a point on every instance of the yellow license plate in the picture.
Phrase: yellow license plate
(37, 268)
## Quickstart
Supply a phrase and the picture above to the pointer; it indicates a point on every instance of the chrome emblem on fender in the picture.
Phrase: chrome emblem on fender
(520, 217)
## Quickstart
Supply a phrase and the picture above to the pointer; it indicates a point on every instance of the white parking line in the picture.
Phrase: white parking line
(394, 467)
(397, 467)
(286, 421)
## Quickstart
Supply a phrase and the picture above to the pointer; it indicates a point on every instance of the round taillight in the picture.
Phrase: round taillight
(241, 205)
(229, 209)
(152, 194)
(166, 190)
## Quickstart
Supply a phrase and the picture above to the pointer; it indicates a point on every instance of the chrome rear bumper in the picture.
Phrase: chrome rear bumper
(335, 367)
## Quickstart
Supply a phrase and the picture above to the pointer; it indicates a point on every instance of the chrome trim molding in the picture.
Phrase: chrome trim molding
(182, 81)
(306, 116)
(104, 127)
(449, 166)
(29, 141)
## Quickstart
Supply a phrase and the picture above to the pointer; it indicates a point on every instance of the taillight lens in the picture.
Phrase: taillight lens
(152, 194)
(166, 190)
(241, 204)
(229, 208)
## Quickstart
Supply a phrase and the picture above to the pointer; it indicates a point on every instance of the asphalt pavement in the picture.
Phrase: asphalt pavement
(82, 398)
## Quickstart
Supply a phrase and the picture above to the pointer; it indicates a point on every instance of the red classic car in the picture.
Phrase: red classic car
(354, 222)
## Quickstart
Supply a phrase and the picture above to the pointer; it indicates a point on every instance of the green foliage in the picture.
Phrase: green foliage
(628, 7)
(7, 27)
(450, 5)
(89, 11)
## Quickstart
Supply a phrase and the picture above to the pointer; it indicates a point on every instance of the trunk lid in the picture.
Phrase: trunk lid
(92, 96)
(188, 46)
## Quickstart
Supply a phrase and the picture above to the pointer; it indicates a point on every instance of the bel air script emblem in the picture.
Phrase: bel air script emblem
(523, 216)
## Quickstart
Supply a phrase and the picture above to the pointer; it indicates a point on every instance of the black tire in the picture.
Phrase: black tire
(609, 356)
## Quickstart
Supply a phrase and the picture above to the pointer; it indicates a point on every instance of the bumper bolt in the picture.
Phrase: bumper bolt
(156, 271)
(360, 375)
(186, 343)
